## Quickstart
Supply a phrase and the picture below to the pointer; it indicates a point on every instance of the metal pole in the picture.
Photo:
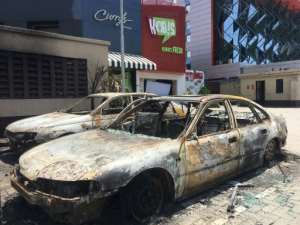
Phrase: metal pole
(122, 45)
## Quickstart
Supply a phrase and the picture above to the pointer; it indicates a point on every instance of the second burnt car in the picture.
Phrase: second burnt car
(95, 110)
(149, 155)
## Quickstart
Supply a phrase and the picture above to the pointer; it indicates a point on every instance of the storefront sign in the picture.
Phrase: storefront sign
(194, 81)
(166, 28)
(162, 27)
(104, 15)
(163, 36)
(174, 49)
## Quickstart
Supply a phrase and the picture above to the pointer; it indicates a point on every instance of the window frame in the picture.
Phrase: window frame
(279, 86)
(252, 108)
(193, 126)
(42, 76)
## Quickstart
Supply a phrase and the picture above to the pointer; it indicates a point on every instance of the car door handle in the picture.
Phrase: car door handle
(233, 139)
(263, 131)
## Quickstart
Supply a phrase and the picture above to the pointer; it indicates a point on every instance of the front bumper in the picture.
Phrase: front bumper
(71, 210)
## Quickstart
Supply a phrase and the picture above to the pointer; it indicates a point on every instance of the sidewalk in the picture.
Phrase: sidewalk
(292, 117)
(274, 199)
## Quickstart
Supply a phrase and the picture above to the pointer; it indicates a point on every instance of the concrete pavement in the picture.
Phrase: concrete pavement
(292, 116)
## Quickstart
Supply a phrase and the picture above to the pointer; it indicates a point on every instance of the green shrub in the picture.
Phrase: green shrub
(204, 91)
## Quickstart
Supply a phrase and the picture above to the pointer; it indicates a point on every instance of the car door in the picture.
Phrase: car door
(212, 147)
(254, 132)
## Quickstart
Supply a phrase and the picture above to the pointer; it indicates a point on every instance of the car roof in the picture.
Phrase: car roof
(114, 94)
(199, 98)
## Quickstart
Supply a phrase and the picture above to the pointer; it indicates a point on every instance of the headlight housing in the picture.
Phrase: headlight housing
(64, 189)
(67, 189)
(20, 136)
(28, 135)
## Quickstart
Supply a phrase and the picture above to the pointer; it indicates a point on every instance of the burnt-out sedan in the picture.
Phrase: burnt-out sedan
(163, 149)
(95, 110)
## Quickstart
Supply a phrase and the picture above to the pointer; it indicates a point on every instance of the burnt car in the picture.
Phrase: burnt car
(163, 149)
(95, 110)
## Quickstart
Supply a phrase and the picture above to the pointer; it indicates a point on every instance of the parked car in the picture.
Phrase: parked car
(93, 111)
(149, 155)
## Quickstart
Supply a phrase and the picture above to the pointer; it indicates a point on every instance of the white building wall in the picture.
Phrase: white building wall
(286, 65)
(200, 18)
(178, 77)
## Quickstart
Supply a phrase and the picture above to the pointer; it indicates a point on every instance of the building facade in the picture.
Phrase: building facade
(91, 19)
(274, 84)
(226, 36)
(42, 72)
(163, 42)
(100, 20)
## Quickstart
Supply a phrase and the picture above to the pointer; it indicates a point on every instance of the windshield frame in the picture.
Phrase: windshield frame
(92, 112)
(141, 102)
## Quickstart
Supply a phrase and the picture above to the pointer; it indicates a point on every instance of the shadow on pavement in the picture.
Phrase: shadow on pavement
(17, 212)
(9, 157)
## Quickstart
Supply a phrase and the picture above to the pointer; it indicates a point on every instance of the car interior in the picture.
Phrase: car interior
(163, 119)
(214, 119)
(167, 119)
(244, 113)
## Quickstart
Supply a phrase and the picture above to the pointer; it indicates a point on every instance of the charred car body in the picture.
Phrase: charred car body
(149, 155)
(95, 110)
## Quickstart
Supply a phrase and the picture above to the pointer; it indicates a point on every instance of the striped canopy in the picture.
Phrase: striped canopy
(131, 61)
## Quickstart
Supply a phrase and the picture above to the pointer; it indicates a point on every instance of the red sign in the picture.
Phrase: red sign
(163, 36)
(194, 75)
(291, 4)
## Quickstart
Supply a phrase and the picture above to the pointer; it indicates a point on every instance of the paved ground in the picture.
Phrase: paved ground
(273, 199)
(292, 116)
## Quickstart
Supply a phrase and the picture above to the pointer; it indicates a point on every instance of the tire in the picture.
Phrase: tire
(271, 151)
(144, 198)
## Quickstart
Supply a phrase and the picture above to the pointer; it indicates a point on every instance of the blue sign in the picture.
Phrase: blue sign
(101, 20)
(97, 19)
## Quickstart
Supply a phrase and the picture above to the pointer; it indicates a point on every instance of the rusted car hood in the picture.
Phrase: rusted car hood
(35, 123)
(80, 156)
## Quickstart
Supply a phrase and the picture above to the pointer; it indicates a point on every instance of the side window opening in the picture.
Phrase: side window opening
(262, 115)
(214, 119)
(85, 105)
(136, 97)
(116, 105)
(245, 114)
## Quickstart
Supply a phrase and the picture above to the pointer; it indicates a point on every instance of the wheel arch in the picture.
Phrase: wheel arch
(277, 140)
(165, 177)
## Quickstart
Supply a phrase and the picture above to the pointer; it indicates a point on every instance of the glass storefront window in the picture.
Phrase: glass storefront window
(255, 32)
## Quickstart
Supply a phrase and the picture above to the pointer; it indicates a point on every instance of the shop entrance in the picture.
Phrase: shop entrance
(159, 87)
(260, 91)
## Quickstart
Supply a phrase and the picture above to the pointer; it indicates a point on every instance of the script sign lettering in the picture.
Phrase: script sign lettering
(104, 15)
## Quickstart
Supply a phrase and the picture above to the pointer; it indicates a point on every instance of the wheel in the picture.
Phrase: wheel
(271, 151)
(144, 198)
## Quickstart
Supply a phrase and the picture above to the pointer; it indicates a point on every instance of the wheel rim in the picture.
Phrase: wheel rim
(147, 200)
